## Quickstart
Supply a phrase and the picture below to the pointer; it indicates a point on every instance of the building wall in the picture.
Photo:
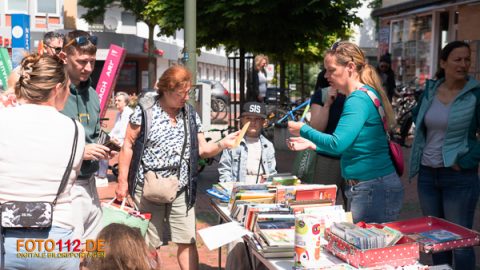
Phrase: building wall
(386, 3)
(70, 14)
(468, 22)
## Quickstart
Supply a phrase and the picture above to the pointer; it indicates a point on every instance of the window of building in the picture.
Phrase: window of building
(97, 24)
(411, 49)
(129, 19)
(50, 7)
(17, 5)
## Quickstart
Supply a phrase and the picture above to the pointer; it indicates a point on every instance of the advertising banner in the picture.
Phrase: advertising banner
(109, 74)
(5, 67)
(20, 37)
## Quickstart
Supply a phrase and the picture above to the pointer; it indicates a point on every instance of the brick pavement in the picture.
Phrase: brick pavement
(206, 216)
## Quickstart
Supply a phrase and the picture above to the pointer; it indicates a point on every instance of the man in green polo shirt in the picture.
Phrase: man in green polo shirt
(83, 104)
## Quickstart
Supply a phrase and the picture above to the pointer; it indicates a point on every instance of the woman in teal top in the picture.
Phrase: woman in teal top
(374, 190)
(446, 151)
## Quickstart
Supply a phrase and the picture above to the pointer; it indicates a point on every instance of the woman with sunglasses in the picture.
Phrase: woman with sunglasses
(175, 140)
(373, 188)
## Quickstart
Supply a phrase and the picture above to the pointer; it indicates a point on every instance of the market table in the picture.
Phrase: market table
(270, 263)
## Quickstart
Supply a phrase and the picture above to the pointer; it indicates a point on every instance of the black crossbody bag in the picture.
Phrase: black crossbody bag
(35, 215)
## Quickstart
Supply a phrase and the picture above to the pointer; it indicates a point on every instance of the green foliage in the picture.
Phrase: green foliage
(283, 29)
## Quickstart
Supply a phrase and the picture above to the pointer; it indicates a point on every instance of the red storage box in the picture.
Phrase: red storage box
(412, 227)
(405, 252)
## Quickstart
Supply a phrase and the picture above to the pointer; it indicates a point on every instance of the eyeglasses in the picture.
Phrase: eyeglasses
(56, 49)
(184, 94)
(82, 40)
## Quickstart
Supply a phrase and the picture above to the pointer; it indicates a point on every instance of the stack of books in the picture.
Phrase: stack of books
(366, 238)
(284, 179)
(244, 196)
(276, 243)
(306, 195)
(268, 213)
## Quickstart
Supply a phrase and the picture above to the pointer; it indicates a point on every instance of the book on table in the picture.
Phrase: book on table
(435, 236)
(278, 237)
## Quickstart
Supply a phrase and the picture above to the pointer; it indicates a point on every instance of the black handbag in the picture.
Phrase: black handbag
(35, 215)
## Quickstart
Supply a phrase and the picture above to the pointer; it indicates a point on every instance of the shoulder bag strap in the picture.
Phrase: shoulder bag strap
(379, 107)
(185, 123)
(68, 170)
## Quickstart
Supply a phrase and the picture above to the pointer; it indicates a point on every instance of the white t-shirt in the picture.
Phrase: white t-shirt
(121, 123)
(262, 84)
(35, 147)
(253, 160)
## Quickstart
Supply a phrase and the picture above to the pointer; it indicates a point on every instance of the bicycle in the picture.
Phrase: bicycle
(279, 116)
(203, 162)
(403, 106)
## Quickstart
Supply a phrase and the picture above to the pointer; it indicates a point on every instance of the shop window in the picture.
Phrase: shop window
(17, 6)
(128, 75)
(129, 19)
(47, 7)
(411, 49)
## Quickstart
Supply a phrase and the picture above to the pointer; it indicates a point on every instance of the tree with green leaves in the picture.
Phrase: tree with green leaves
(150, 12)
(283, 29)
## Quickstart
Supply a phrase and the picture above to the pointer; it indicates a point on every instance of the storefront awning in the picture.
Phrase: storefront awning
(407, 6)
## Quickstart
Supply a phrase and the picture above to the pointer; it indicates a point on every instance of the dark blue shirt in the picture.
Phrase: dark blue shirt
(336, 109)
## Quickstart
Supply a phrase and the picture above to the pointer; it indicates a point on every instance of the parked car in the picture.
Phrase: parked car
(218, 92)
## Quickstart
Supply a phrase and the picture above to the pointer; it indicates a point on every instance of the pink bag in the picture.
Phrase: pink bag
(396, 153)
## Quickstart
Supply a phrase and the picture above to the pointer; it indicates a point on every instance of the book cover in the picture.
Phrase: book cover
(279, 237)
(440, 235)
(274, 224)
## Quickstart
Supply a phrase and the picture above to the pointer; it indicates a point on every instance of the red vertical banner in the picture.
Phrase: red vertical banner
(109, 75)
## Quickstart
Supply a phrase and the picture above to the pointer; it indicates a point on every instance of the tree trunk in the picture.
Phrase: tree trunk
(302, 79)
(242, 76)
(283, 85)
(151, 58)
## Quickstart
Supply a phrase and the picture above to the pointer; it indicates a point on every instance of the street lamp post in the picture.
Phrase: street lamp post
(190, 38)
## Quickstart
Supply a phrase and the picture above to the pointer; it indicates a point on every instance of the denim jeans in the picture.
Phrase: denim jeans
(452, 195)
(14, 261)
(378, 200)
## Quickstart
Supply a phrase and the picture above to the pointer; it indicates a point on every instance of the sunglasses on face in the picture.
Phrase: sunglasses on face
(56, 49)
(82, 40)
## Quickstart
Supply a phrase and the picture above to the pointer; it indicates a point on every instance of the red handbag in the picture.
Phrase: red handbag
(396, 152)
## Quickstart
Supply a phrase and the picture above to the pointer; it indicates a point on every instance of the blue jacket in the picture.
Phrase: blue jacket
(460, 145)
(233, 164)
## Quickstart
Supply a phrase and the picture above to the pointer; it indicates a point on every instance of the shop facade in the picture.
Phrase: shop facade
(414, 32)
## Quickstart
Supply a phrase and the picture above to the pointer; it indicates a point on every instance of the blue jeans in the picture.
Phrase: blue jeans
(377, 200)
(16, 262)
(452, 195)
